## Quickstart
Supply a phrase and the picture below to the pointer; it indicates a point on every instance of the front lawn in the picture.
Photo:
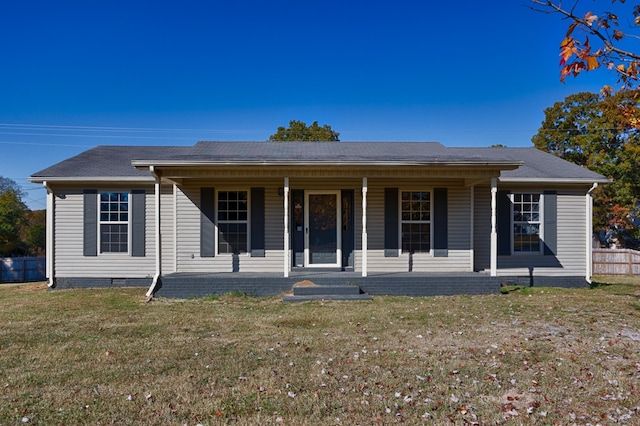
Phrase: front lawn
(533, 356)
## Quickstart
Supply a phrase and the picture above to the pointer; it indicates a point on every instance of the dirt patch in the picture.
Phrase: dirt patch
(24, 287)
(304, 283)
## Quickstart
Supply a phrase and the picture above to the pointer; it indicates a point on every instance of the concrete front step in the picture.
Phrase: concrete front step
(303, 293)
(308, 290)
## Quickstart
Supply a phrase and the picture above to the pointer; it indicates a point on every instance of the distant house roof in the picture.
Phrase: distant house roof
(132, 162)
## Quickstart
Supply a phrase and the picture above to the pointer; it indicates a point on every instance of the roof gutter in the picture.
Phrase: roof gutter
(504, 165)
(554, 180)
(85, 180)
(156, 277)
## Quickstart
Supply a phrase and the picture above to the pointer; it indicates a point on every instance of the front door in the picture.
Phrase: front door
(322, 229)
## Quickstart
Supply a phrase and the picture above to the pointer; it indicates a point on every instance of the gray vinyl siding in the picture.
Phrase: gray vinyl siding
(459, 241)
(188, 231)
(166, 228)
(180, 218)
(188, 202)
(69, 259)
(571, 246)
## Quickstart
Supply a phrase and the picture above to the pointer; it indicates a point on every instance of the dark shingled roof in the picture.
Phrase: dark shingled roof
(116, 161)
(325, 152)
(109, 161)
(537, 165)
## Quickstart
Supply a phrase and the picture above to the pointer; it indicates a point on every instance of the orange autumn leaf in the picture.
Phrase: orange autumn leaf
(567, 49)
(592, 63)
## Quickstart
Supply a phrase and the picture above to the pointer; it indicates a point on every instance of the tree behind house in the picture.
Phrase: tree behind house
(594, 131)
(22, 232)
(298, 131)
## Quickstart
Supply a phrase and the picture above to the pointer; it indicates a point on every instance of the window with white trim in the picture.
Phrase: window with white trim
(114, 222)
(233, 222)
(415, 218)
(527, 222)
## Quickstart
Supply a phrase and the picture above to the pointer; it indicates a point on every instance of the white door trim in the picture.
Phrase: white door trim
(307, 254)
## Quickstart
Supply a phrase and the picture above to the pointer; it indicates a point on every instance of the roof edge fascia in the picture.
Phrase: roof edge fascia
(554, 180)
(503, 165)
(92, 179)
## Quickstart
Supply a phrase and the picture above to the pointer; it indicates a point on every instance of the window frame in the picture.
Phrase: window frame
(539, 222)
(401, 221)
(100, 222)
(218, 222)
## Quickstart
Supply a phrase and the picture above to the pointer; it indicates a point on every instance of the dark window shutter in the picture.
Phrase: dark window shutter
(391, 248)
(440, 221)
(504, 223)
(207, 222)
(257, 222)
(138, 232)
(550, 222)
(90, 223)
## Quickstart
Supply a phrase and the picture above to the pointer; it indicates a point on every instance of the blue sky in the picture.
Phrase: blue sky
(74, 75)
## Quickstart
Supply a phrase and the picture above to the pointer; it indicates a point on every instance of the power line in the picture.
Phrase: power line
(127, 129)
(43, 144)
(92, 136)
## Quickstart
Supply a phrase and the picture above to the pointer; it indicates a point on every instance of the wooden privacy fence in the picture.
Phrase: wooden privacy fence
(22, 269)
(616, 262)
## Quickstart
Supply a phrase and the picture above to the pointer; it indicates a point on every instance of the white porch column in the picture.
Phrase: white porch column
(494, 232)
(49, 245)
(364, 227)
(175, 228)
(472, 213)
(287, 261)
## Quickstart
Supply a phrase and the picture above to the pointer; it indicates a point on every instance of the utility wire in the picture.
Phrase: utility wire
(127, 129)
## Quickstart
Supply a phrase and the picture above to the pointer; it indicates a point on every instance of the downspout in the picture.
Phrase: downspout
(49, 245)
(589, 232)
(156, 277)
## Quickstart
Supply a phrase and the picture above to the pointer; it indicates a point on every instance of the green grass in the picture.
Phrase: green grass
(532, 356)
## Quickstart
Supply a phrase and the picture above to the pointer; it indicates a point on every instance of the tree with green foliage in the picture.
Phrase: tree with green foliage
(595, 131)
(34, 232)
(7, 184)
(298, 131)
(12, 219)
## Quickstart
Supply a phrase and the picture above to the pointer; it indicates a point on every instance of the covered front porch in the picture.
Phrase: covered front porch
(185, 285)
(277, 223)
